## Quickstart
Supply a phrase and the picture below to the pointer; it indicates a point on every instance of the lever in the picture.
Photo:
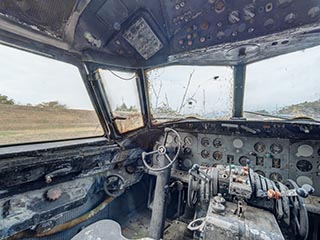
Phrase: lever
(197, 173)
(62, 171)
(305, 190)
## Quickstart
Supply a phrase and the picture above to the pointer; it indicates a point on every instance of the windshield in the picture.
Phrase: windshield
(286, 86)
(177, 92)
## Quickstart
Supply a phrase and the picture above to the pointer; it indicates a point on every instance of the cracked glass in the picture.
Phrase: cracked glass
(178, 92)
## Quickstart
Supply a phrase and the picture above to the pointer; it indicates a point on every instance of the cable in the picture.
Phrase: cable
(126, 79)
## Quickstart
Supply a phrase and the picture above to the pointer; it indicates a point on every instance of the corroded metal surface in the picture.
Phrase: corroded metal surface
(256, 224)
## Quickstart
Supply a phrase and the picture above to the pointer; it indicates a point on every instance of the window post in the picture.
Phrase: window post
(239, 76)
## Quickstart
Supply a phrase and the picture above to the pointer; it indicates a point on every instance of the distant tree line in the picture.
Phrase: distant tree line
(124, 108)
(46, 105)
(6, 100)
(52, 105)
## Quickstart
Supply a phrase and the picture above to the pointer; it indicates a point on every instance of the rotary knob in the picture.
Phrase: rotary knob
(54, 194)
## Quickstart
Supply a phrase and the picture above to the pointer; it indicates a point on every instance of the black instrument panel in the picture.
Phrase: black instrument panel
(275, 158)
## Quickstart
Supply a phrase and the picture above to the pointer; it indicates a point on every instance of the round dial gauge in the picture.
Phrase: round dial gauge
(304, 165)
(243, 160)
(238, 143)
(188, 140)
(304, 151)
(205, 142)
(276, 148)
(301, 180)
(276, 177)
(217, 155)
(260, 147)
(217, 142)
(187, 151)
(205, 154)
(187, 163)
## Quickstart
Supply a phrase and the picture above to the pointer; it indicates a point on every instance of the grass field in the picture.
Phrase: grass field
(21, 124)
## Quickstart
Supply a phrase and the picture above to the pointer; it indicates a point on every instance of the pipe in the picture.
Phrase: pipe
(77, 221)
(160, 203)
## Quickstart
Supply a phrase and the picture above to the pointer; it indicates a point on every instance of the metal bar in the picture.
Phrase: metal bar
(160, 203)
(144, 96)
(239, 76)
(87, 78)
(99, 92)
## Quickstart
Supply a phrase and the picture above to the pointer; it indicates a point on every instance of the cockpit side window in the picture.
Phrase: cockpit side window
(42, 99)
(285, 87)
(123, 98)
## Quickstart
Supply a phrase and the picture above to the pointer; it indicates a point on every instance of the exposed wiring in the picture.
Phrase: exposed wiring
(126, 79)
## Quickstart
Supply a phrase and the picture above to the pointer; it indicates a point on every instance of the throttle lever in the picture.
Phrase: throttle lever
(303, 192)
(197, 173)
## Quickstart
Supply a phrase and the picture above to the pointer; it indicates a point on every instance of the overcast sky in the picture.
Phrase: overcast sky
(30, 78)
(285, 80)
(271, 84)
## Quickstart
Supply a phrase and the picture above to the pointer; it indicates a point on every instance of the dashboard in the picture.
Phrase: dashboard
(276, 158)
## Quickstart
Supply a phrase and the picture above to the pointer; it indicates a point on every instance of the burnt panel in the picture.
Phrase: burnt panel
(206, 23)
(115, 17)
(45, 15)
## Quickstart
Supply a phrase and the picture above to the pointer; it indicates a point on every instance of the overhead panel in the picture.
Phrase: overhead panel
(202, 23)
(46, 16)
(148, 33)
(115, 17)
(143, 39)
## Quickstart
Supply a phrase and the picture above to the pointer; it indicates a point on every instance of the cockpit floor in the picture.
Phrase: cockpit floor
(137, 225)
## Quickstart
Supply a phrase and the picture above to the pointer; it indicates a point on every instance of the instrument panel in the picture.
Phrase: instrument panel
(275, 158)
(305, 163)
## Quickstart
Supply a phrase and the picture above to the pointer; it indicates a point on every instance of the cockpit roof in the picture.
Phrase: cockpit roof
(144, 33)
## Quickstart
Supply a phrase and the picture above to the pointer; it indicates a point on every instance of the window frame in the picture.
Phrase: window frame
(137, 80)
(59, 55)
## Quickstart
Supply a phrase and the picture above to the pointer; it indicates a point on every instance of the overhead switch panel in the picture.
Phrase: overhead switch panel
(143, 39)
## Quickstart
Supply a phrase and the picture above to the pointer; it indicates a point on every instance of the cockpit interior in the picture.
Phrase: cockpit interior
(160, 119)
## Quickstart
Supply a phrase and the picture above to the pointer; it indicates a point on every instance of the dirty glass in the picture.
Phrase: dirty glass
(203, 92)
(42, 99)
(286, 86)
(123, 98)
